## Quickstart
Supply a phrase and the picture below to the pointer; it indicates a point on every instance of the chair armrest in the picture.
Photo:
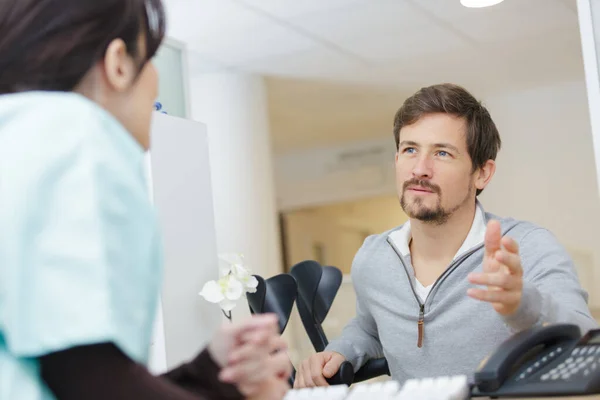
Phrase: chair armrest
(344, 376)
(372, 368)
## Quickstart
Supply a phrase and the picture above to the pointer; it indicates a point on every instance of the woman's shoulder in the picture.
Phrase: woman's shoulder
(54, 124)
(44, 104)
(46, 118)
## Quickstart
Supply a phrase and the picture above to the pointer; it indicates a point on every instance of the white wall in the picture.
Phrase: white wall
(546, 171)
(235, 111)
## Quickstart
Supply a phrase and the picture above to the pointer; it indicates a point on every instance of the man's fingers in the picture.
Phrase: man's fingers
(493, 236)
(332, 365)
(510, 244)
(310, 372)
(511, 262)
(316, 371)
(494, 296)
(298, 379)
(497, 279)
(307, 375)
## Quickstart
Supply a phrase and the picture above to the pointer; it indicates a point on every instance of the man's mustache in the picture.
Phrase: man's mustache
(421, 183)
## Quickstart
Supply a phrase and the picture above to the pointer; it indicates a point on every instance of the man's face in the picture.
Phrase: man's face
(434, 175)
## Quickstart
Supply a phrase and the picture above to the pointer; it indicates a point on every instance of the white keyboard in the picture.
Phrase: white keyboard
(441, 388)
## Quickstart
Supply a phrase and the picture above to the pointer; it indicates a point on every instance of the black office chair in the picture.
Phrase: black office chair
(317, 288)
(277, 295)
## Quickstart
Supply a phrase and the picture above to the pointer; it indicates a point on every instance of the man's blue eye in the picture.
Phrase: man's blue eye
(443, 153)
(409, 150)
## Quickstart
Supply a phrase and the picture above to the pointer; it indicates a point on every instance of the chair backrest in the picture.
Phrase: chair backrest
(274, 295)
(317, 288)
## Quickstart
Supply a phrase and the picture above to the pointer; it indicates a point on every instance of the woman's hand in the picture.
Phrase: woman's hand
(273, 389)
(252, 356)
(231, 336)
(255, 364)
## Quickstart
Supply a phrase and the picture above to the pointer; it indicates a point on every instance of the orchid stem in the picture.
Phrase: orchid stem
(227, 314)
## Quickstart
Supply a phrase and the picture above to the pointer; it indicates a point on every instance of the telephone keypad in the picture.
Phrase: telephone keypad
(540, 364)
(582, 361)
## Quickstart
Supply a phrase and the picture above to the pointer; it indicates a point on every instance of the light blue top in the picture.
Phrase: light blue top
(80, 252)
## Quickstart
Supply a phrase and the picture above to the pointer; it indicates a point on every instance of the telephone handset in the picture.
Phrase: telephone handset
(543, 361)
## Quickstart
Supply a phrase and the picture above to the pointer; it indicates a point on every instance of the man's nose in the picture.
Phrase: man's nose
(423, 168)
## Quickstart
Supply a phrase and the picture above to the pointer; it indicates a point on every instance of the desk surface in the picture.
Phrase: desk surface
(592, 397)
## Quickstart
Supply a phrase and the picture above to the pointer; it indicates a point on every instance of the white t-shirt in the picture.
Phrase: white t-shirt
(401, 239)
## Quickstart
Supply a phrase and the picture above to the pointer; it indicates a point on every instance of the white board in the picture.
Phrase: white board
(179, 177)
(157, 363)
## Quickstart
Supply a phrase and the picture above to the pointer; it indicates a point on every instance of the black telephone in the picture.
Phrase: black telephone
(551, 360)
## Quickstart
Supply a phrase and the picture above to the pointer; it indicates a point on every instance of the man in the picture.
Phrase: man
(438, 294)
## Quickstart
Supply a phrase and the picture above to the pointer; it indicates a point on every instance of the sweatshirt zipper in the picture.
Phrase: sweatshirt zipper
(420, 325)
(451, 267)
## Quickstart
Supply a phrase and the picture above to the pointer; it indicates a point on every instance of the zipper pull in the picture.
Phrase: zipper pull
(420, 325)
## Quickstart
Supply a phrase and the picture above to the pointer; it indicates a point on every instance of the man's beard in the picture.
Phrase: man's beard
(436, 215)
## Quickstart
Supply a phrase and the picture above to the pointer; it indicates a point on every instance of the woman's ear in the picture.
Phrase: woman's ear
(119, 66)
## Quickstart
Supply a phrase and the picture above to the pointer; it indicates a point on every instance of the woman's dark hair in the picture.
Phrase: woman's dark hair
(52, 44)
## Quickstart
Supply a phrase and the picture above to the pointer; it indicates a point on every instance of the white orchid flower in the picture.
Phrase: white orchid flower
(237, 268)
(235, 280)
(228, 260)
(243, 275)
(226, 291)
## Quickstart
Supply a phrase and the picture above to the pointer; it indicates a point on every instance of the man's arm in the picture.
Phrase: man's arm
(551, 289)
(359, 341)
(102, 371)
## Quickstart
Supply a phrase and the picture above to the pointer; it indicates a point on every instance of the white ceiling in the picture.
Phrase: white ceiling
(338, 69)
(397, 42)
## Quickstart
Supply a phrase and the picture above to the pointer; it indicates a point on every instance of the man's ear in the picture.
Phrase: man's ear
(119, 66)
(484, 175)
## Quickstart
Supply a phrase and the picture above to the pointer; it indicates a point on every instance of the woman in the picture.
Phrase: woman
(80, 258)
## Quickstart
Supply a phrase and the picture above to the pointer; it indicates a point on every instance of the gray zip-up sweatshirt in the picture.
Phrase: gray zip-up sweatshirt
(458, 331)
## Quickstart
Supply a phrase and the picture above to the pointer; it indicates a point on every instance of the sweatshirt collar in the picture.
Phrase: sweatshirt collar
(401, 237)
